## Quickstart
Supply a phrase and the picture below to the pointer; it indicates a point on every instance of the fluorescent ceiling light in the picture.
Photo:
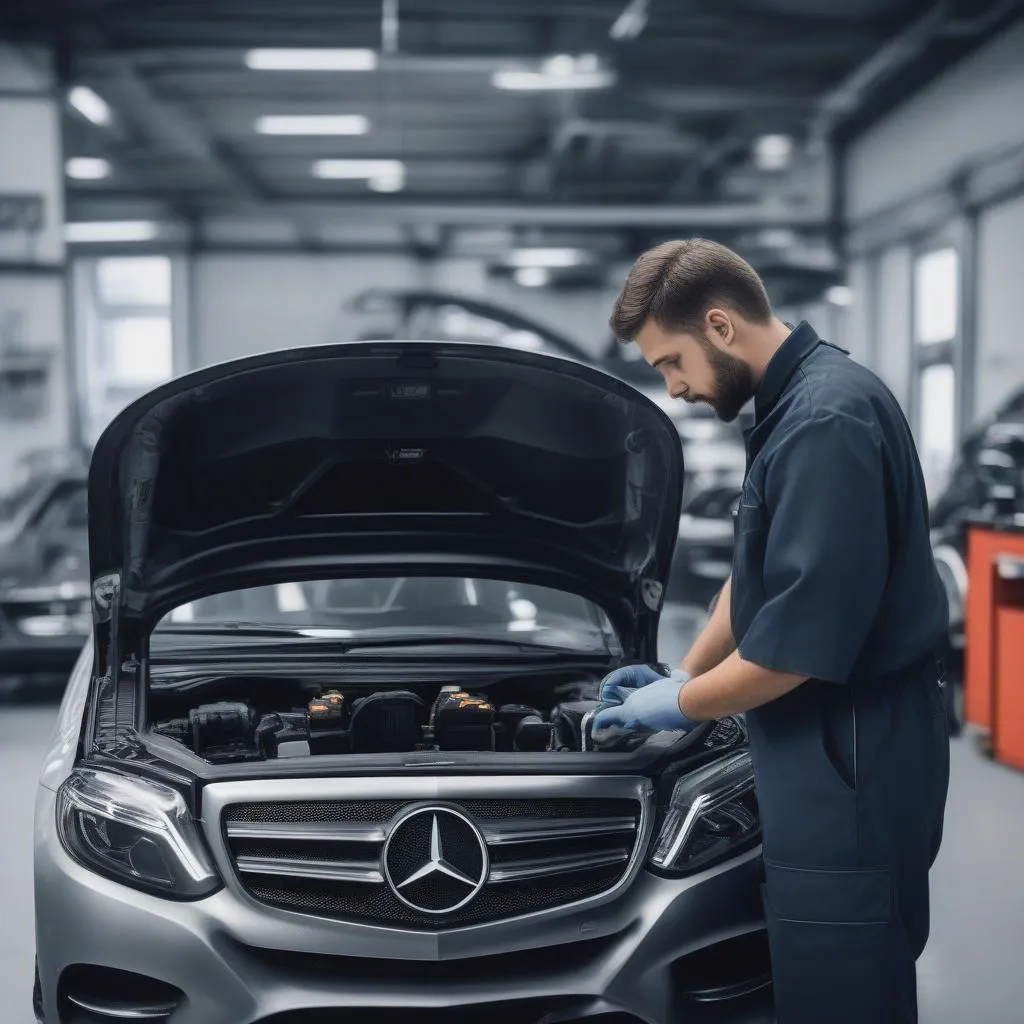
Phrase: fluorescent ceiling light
(87, 168)
(777, 238)
(355, 170)
(110, 231)
(90, 105)
(631, 22)
(393, 181)
(312, 124)
(558, 72)
(311, 60)
(773, 152)
(545, 258)
(839, 295)
(532, 277)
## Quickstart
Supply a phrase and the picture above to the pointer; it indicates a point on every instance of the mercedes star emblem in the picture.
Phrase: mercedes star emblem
(435, 860)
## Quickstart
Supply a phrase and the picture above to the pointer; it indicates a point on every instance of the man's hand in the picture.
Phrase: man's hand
(618, 685)
(652, 708)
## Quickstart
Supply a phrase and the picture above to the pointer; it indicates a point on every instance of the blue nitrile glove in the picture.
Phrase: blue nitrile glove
(651, 708)
(618, 685)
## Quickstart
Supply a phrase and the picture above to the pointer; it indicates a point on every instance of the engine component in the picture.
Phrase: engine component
(506, 722)
(567, 722)
(462, 722)
(533, 735)
(328, 724)
(330, 709)
(221, 727)
(178, 729)
(278, 728)
(387, 723)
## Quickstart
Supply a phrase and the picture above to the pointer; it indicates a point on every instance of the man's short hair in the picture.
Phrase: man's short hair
(676, 283)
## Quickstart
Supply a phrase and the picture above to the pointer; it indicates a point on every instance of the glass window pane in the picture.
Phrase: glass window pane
(134, 280)
(936, 296)
(938, 437)
(139, 352)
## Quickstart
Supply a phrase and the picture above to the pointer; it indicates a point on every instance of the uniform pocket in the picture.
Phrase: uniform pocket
(749, 518)
(832, 940)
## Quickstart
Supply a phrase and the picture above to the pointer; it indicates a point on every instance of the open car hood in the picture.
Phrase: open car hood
(376, 458)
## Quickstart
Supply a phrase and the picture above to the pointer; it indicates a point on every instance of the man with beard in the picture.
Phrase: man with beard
(824, 635)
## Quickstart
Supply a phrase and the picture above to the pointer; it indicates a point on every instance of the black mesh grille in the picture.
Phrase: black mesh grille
(376, 903)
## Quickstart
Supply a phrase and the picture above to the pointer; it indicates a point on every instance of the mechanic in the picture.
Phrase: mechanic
(824, 634)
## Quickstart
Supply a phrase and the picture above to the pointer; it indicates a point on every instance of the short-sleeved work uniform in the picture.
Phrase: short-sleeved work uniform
(833, 579)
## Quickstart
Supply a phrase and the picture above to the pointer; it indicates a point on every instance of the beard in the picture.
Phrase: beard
(734, 382)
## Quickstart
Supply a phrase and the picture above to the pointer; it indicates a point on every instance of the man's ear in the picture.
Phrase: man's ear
(718, 322)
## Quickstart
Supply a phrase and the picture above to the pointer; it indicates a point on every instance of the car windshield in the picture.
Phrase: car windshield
(400, 608)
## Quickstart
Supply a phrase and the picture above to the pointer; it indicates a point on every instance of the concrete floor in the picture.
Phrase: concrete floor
(970, 970)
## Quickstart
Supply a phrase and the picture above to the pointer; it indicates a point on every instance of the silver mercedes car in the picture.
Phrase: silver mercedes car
(327, 754)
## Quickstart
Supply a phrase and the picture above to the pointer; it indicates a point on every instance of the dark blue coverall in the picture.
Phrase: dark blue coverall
(833, 579)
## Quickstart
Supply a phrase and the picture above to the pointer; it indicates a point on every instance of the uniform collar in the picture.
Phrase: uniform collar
(802, 341)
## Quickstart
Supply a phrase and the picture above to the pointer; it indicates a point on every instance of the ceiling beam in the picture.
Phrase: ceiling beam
(169, 126)
(382, 211)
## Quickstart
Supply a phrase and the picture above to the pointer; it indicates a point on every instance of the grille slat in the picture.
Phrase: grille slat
(543, 829)
(324, 870)
(574, 849)
(316, 831)
(518, 871)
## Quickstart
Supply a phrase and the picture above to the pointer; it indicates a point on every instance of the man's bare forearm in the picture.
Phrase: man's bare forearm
(734, 687)
(715, 642)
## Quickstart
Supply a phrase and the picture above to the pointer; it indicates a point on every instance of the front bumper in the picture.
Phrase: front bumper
(235, 964)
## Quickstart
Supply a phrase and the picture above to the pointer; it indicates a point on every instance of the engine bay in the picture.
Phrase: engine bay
(335, 719)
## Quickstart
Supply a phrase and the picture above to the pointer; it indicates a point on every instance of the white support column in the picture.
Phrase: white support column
(35, 399)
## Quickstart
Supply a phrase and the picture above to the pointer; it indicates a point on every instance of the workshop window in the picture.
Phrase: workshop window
(936, 311)
(125, 334)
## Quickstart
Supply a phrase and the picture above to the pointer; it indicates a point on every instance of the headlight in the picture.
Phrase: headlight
(712, 813)
(134, 831)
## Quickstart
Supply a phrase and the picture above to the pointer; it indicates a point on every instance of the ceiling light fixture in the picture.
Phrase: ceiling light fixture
(90, 105)
(393, 181)
(87, 168)
(355, 170)
(311, 60)
(110, 231)
(631, 22)
(839, 295)
(777, 238)
(773, 152)
(532, 277)
(558, 72)
(312, 124)
(545, 258)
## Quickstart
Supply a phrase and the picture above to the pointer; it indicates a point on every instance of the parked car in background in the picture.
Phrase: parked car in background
(986, 482)
(328, 756)
(44, 570)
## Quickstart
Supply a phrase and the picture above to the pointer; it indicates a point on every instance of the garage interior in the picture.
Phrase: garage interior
(184, 183)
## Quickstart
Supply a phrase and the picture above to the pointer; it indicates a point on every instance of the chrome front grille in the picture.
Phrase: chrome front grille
(326, 857)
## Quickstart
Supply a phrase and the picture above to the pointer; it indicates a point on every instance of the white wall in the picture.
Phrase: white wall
(1000, 329)
(37, 302)
(893, 328)
(243, 304)
(32, 300)
(974, 108)
(858, 320)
